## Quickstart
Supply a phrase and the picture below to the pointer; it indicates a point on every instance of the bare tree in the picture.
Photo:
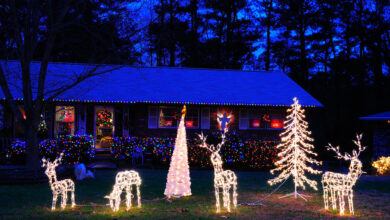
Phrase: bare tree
(28, 25)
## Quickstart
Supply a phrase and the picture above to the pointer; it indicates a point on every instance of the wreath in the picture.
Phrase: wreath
(104, 119)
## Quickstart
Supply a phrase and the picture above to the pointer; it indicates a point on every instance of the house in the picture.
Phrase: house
(147, 101)
(379, 126)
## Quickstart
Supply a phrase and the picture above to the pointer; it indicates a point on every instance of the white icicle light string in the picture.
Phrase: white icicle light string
(123, 182)
(296, 149)
(178, 180)
(61, 187)
(340, 185)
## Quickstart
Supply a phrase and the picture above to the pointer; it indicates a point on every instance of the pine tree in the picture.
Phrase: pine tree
(178, 181)
(296, 150)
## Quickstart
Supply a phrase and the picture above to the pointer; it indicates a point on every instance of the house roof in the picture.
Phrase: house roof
(167, 85)
(379, 116)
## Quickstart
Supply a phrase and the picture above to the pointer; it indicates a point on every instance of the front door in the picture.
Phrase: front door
(104, 126)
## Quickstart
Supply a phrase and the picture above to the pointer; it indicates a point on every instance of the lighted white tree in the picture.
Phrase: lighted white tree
(296, 151)
(178, 181)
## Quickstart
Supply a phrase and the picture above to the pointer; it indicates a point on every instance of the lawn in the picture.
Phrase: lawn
(33, 201)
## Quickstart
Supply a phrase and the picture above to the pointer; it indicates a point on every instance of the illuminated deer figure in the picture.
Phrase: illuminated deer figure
(224, 179)
(124, 181)
(59, 188)
(340, 185)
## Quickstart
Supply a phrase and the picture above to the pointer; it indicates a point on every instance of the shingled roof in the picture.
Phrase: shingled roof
(378, 116)
(169, 85)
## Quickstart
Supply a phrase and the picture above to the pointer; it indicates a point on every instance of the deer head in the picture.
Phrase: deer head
(355, 168)
(216, 159)
(51, 167)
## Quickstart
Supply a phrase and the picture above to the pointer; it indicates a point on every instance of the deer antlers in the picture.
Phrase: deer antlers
(56, 162)
(347, 156)
(211, 148)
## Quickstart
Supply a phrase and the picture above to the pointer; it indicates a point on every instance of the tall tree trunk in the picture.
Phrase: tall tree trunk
(32, 150)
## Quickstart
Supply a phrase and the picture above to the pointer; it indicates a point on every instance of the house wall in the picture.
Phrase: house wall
(133, 119)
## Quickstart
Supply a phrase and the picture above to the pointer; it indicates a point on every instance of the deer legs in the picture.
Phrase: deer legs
(217, 198)
(53, 204)
(128, 197)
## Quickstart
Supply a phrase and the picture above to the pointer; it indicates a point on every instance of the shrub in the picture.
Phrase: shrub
(245, 153)
(79, 148)
(382, 165)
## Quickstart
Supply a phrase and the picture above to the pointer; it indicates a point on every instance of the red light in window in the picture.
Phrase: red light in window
(277, 123)
(168, 123)
(189, 124)
(256, 123)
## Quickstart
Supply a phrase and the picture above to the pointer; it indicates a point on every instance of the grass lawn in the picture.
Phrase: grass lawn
(372, 199)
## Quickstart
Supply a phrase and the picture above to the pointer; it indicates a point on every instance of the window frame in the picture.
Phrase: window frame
(271, 113)
(55, 119)
(178, 121)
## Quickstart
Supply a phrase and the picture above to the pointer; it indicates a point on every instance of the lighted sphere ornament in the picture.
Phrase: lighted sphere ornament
(178, 181)
(59, 188)
(382, 165)
(337, 186)
(223, 179)
(124, 181)
(296, 149)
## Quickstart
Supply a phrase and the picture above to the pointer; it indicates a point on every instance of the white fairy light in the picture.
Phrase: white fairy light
(295, 149)
(178, 181)
(340, 185)
(224, 179)
(59, 188)
(124, 181)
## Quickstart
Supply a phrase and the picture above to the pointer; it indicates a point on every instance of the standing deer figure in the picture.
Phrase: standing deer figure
(340, 185)
(224, 179)
(124, 181)
(59, 188)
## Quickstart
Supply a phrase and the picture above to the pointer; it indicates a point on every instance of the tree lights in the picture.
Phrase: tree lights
(59, 188)
(382, 165)
(340, 185)
(178, 181)
(295, 150)
(224, 179)
(124, 181)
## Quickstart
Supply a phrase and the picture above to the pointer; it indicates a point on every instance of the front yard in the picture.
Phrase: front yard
(372, 199)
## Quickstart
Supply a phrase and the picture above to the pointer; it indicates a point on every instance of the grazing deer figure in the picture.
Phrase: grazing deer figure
(124, 181)
(224, 179)
(340, 185)
(59, 188)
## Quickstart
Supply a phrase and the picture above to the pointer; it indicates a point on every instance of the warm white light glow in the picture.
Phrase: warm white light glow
(224, 179)
(124, 181)
(296, 149)
(59, 188)
(223, 120)
(340, 185)
(382, 165)
(178, 181)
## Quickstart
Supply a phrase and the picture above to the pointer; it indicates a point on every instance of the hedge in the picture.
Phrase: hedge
(245, 153)
(78, 148)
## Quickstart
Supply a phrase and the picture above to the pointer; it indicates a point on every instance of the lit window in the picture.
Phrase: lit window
(262, 119)
(64, 124)
(169, 117)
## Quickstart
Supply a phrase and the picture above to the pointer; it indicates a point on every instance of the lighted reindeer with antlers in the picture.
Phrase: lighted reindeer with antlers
(224, 179)
(340, 185)
(59, 188)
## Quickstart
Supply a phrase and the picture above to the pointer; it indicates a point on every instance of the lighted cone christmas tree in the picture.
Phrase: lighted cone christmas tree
(178, 181)
(295, 152)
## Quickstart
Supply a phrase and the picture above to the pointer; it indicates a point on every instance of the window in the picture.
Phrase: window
(169, 117)
(260, 119)
(64, 120)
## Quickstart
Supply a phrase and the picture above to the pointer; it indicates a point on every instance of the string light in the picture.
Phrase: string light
(124, 181)
(178, 181)
(59, 188)
(295, 149)
(340, 185)
(224, 179)
(382, 165)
